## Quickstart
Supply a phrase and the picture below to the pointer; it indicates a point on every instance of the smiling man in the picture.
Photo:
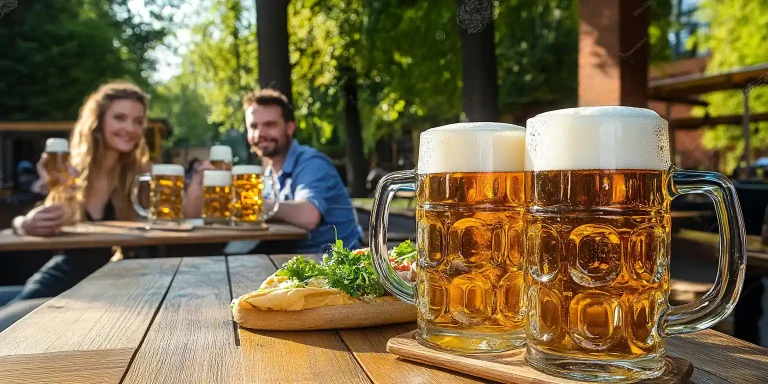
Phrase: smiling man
(311, 193)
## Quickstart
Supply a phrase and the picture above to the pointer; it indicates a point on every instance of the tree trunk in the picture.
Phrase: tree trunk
(357, 165)
(481, 91)
(272, 35)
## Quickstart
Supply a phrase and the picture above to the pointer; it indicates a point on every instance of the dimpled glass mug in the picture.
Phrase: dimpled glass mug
(469, 273)
(598, 184)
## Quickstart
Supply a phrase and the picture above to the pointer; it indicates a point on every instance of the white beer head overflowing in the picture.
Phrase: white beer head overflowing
(56, 145)
(168, 170)
(471, 147)
(220, 153)
(597, 138)
(216, 178)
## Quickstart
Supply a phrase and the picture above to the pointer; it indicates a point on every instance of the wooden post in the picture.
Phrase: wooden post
(614, 52)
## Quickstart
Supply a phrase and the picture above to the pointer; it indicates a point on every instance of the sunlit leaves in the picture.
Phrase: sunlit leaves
(736, 38)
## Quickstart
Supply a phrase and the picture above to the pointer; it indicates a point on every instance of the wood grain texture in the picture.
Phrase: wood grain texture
(369, 347)
(315, 356)
(104, 236)
(191, 339)
(71, 367)
(509, 367)
(110, 309)
(384, 311)
(722, 356)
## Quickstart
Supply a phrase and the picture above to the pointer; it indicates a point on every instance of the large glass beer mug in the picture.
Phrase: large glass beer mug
(599, 183)
(248, 196)
(57, 161)
(220, 157)
(469, 217)
(166, 194)
(217, 196)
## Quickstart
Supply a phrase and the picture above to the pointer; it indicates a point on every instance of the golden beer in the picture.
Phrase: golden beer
(470, 278)
(166, 193)
(469, 218)
(600, 279)
(56, 164)
(217, 196)
(221, 157)
(598, 185)
(247, 188)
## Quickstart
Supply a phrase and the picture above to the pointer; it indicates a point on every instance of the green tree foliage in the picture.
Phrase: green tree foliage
(223, 60)
(736, 38)
(180, 101)
(55, 53)
(536, 53)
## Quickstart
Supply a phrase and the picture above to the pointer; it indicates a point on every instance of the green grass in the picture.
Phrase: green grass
(396, 203)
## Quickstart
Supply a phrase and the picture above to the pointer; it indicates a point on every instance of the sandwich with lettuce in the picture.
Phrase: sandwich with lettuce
(341, 291)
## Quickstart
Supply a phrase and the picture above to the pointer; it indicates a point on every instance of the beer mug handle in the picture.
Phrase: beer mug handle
(275, 192)
(144, 177)
(385, 191)
(721, 298)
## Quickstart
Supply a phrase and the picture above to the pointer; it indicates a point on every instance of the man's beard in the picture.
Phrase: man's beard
(277, 149)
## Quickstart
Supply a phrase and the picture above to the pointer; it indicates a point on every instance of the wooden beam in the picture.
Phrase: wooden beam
(700, 122)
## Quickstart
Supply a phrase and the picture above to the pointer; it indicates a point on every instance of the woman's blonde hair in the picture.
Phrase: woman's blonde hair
(88, 147)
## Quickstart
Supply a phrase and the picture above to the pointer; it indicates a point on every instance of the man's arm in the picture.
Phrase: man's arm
(302, 214)
(193, 197)
(315, 179)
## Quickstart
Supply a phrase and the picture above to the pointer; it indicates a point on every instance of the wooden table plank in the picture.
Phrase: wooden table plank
(191, 339)
(110, 309)
(71, 367)
(721, 356)
(369, 345)
(315, 356)
(103, 236)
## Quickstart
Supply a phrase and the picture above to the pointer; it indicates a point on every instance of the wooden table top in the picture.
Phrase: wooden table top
(99, 236)
(168, 321)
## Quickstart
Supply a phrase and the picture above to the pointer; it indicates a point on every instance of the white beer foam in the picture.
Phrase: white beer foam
(168, 170)
(220, 153)
(597, 138)
(472, 147)
(216, 178)
(246, 169)
(56, 145)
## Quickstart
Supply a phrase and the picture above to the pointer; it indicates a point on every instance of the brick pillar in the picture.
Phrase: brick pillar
(613, 52)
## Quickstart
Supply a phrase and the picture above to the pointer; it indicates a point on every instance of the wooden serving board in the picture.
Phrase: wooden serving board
(508, 367)
(143, 225)
(383, 311)
(226, 227)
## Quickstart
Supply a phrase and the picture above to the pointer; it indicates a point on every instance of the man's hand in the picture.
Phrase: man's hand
(193, 199)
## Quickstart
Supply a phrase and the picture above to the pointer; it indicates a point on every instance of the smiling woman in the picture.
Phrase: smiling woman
(107, 150)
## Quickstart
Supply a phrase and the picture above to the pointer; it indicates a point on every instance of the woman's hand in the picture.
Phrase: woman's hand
(44, 220)
(42, 184)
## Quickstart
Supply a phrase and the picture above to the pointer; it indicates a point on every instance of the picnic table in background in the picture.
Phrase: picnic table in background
(99, 236)
(167, 320)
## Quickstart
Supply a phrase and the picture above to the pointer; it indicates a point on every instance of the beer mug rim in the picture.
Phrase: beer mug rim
(606, 137)
(56, 145)
(220, 153)
(471, 147)
(167, 170)
(216, 178)
(247, 170)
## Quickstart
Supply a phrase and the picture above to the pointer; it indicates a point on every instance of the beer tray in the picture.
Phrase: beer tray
(508, 367)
